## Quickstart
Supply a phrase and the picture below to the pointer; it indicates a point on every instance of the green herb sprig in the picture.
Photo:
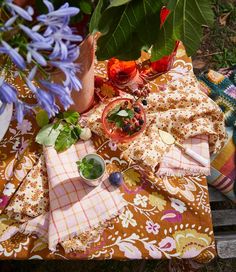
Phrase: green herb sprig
(62, 133)
(118, 116)
(90, 168)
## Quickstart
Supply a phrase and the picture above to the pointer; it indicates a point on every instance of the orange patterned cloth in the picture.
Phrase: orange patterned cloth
(165, 217)
(77, 211)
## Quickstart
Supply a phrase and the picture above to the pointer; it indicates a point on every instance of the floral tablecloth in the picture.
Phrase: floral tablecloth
(165, 217)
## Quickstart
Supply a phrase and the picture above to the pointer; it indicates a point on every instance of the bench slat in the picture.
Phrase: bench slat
(215, 195)
(229, 235)
(226, 248)
(224, 217)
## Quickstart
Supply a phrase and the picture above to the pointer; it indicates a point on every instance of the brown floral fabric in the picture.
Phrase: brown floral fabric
(31, 198)
(165, 217)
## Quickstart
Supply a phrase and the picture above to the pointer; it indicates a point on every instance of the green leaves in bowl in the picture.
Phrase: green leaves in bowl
(90, 168)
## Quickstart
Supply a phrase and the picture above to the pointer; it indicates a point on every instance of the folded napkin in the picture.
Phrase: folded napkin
(78, 213)
(176, 163)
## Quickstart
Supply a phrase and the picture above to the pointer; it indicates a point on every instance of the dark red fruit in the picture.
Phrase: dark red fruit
(137, 109)
(144, 102)
(141, 122)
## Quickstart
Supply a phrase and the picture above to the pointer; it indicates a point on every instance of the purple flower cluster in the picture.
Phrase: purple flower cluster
(49, 44)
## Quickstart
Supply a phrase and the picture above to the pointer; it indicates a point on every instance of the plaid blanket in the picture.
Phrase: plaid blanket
(221, 87)
(78, 213)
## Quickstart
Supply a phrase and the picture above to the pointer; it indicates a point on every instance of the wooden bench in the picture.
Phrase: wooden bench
(223, 221)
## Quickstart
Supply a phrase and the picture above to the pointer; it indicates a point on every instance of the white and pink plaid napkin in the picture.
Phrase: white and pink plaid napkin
(77, 211)
(176, 163)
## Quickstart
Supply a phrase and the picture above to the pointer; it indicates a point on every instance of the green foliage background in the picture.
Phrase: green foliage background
(129, 26)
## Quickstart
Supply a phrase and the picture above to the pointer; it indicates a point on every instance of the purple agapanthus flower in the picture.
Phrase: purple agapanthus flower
(14, 9)
(66, 100)
(8, 24)
(20, 111)
(17, 59)
(47, 101)
(33, 53)
(62, 92)
(35, 36)
(49, 42)
(8, 93)
(70, 70)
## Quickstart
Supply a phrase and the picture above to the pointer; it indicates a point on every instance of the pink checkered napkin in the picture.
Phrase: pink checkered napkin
(76, 209)
(176, 163)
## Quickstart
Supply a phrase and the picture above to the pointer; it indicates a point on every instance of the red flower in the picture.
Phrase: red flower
(163, 65)
(121, 72)
(164, 13)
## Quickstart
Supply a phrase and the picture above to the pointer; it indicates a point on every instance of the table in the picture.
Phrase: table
(165, 218)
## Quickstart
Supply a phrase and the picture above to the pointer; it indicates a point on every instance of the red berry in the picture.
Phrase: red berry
(141, 122)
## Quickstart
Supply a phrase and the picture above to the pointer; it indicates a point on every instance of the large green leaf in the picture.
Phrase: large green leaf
(97, 14)
(85, 6)
(165, 40)
(116, 3)
(184, 23)
(47, 135)
(188, 18)
(42, 118)
(132, 26)
(65, 139)
(128, 28)
(71, 117)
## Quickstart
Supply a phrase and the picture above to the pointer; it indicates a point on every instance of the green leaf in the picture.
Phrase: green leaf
(42, 118)
(60, 115)
(47, 135)
(77, 130)
(96, 16)
(71, 117)
(171, 4)
(130, 113)
(122, 113)
(56, 125)
(119, 123)
(64, 139)
(128, 28)
(188, 18)
(85, 6)
(113, 117)
(185, 24)
(114, 110)
(166, 42)
(116, 3)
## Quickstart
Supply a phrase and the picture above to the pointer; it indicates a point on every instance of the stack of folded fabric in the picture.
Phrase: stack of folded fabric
(221, 87)
(77, 212)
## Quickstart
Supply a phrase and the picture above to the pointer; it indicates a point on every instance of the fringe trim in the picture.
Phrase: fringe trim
(81, 240)
(23, 230)
(183, 172)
